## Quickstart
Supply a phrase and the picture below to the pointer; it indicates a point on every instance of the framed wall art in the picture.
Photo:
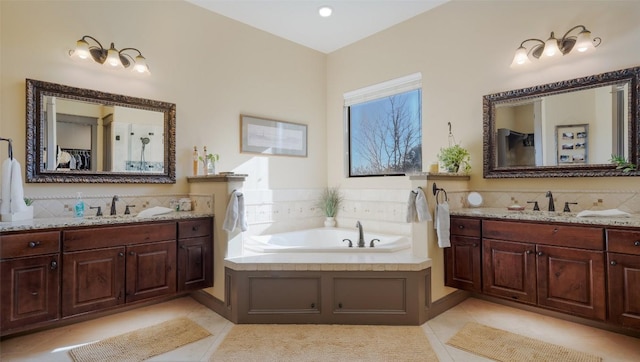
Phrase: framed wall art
(270, 137)
(572, 142)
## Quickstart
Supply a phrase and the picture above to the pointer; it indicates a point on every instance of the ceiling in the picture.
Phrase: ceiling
(298, 20)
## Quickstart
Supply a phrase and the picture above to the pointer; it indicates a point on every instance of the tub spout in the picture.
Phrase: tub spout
(360, 235)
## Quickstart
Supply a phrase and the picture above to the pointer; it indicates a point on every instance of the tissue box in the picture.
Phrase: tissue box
(23, 215)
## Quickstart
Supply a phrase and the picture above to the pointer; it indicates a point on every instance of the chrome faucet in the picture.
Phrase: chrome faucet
(552, 207)
(113, 205)
(360, 235)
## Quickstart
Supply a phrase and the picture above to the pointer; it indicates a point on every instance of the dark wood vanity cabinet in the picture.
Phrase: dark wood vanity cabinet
(108, 266)
(554, 266)
(30, 279)
(623, 267)
(195, 254)
(463, 262)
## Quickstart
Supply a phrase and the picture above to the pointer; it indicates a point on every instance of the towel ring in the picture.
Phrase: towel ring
(10, 147)
(436, 193)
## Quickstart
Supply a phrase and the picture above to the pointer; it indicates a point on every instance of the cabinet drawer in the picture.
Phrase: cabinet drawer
(84, 239)
(558, 235)
(29, 244)
(622, 241)
(194, 228)
(465, 227)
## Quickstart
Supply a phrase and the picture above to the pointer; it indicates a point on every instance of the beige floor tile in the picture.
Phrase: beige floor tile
(53, 345)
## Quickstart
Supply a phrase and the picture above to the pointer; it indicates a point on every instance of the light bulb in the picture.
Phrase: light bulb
(583, 42)
(141, 65)
(325, 11)
(551, 48)
(82, 50)
(520, 58)
(113, 57)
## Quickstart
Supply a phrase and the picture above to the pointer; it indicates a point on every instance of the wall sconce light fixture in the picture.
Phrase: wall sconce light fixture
(111, 57)
(554, 48)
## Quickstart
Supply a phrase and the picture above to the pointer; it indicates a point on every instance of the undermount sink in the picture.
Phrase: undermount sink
(110, 217)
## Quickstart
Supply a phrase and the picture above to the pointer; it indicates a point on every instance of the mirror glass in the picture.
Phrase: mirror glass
(563, 129)
(81, 135)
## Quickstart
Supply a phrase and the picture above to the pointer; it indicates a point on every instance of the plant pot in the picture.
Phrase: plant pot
(329, 222)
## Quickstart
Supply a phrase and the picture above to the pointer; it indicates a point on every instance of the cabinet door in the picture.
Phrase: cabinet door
(29, 291)
(92, 280)
(369, 295)
(195, 263)
(509, 270)
(151, 270)
(283, 295)
(572, 280)
(624, 289)
(463, 264)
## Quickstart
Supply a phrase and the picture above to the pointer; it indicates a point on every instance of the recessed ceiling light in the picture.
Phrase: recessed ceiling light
(325, 11)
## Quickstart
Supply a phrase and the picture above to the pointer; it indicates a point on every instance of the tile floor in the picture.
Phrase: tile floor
(52, 345)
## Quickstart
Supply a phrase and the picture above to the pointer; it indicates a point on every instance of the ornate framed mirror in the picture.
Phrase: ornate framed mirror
(77, 135)
(570, 128)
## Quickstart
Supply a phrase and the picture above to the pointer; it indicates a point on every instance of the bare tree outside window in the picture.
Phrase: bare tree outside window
(385, 136)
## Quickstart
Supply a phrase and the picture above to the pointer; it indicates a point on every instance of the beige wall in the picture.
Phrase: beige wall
(464, 49)
(211, 67)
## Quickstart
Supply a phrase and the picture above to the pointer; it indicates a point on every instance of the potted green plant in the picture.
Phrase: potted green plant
(209, 163)
(455, 157)
(329, 202)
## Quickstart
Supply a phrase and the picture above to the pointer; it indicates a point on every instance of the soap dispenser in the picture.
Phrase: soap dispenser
(79, 207)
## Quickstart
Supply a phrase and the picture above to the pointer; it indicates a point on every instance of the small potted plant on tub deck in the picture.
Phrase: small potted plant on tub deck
(455, 159)
(329, 203)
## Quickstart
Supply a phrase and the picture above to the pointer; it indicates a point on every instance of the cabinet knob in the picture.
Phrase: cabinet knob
(636, 243)
(613, 262)
(34, 293)
(529, 251)
(183, 246)
(474, 245)
(53, 265)
(540, 253)
(555, 230)
(195, 228)
(132, 253)
(33, 244)
(340, 305)
(313, 305)
(120, 254)
(460, 227)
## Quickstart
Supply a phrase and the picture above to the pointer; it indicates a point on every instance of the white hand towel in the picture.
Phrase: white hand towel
(17, 191)
(411, 207)
(5, 205)
(442, 225)
(235, 215)
(422, 207)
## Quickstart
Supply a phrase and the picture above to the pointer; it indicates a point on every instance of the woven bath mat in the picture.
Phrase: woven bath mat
(304, 343)
(143, 343)
(506, 346)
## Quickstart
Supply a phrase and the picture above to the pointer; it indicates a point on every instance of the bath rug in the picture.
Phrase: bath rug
(143, 343)
(506, 346)
(310, 342)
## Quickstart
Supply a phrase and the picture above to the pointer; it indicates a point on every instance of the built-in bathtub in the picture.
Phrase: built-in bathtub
(325, 240)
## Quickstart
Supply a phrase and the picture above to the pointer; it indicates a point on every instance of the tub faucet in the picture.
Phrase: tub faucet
(552, 207)
(360, 235)
(113, 205)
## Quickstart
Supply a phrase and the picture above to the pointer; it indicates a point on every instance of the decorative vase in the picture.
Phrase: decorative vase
(211, 168)
(329, 222)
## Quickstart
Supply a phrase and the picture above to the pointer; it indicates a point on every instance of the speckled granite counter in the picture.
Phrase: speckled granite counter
(64, 222)
(347, 261)
(546, 216)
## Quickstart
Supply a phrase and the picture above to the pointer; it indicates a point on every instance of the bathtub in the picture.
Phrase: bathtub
(325, 240)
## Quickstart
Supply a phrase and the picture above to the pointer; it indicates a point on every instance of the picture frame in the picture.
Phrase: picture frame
(572, 142)
(271, 137)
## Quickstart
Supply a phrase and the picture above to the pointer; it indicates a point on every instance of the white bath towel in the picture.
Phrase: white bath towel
(442, 225)
(235, 215)
(12, 189)
(417, 206)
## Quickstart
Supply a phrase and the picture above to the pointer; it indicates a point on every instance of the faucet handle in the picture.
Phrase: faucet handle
(127, 211)
(535, 205)
(566, 206)
(99, 212)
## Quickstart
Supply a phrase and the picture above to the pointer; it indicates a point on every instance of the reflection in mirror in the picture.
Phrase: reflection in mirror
(569, 128)
(80, 135)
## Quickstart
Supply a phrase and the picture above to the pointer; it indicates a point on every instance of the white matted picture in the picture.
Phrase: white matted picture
(572, 143)
(270, 137)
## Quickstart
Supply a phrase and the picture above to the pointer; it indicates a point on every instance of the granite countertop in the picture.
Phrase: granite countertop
(546, 216)
(64, 222)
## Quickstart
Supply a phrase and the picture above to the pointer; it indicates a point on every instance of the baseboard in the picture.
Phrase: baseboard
(212, 303)
(447, 302)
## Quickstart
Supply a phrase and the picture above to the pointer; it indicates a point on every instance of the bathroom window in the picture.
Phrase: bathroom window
(384, 128)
